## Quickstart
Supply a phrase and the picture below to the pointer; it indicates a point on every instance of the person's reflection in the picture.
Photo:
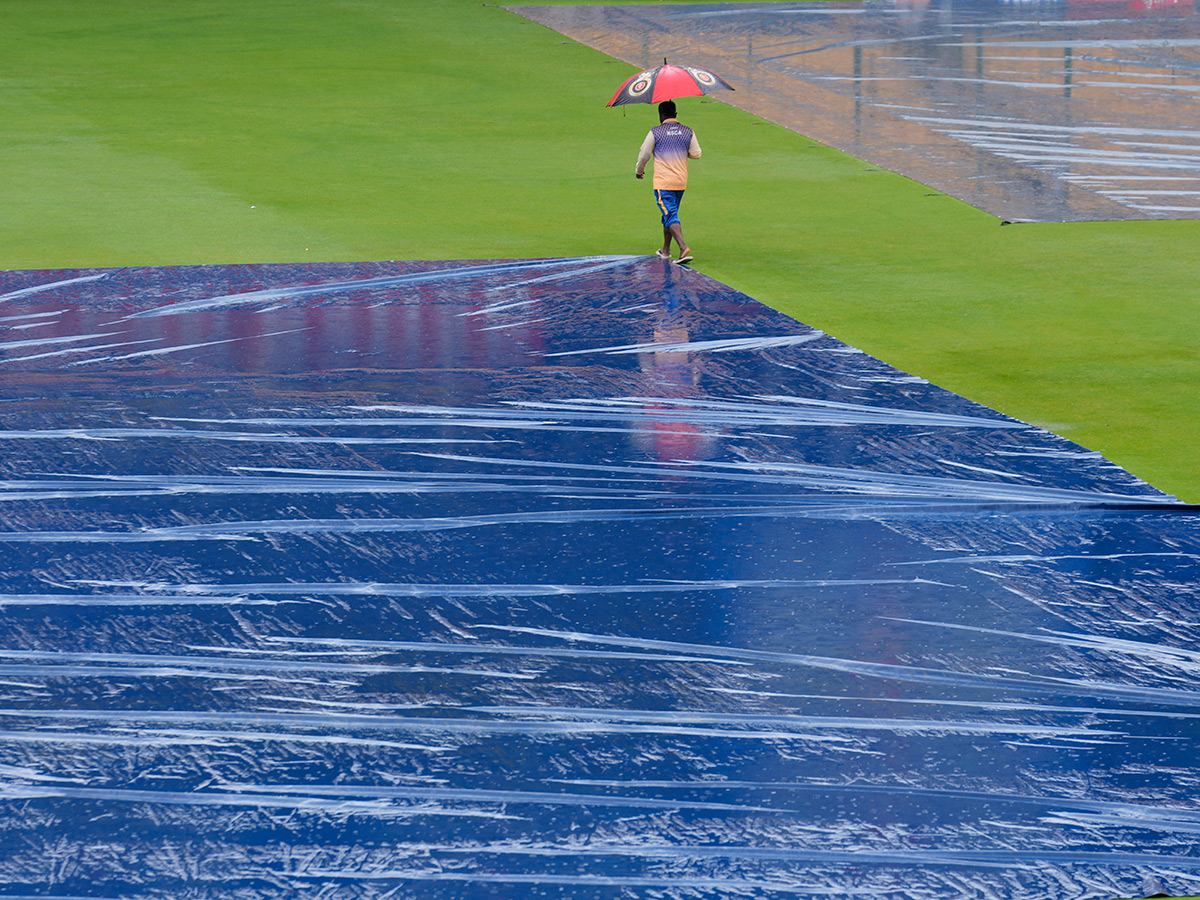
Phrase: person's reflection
(671, 373)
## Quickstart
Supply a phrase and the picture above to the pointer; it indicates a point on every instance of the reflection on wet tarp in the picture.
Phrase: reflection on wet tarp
(576, 578)
(1045, 111)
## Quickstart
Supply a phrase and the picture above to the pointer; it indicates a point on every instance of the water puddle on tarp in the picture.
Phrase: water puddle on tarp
(1052, 111)
(574, 577)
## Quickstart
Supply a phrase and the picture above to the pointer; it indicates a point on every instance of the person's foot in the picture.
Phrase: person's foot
(685, 256)
(662, 254)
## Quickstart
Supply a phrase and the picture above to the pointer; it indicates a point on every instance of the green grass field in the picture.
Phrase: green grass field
(224, 131)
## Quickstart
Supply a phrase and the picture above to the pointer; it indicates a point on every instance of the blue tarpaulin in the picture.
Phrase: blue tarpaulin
(560, 578)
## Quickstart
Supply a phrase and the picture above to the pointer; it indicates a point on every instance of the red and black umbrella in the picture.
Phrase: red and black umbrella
(666, 83)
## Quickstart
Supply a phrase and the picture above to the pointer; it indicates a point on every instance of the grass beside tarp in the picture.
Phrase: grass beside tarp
(219, 131)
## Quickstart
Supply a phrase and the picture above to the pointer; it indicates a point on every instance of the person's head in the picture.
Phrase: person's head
(666, 110)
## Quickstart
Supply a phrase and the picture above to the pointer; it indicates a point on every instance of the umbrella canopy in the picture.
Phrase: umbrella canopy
(667, 82)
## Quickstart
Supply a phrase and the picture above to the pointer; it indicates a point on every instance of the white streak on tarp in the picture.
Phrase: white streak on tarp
(298, 292)
(40, 288)
(184, 347)
(714, 346)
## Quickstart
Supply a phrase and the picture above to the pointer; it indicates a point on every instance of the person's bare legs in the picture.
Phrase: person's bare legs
(675, 231)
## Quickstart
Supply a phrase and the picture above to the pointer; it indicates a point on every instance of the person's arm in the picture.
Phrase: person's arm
(644, 155)
(694, 148)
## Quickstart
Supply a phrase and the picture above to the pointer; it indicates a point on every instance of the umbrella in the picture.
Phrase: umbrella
(666, 83)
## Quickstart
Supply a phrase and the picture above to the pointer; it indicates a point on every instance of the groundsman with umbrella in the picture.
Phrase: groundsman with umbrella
(671, 144)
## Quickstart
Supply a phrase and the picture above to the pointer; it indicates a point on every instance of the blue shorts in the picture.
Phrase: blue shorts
(668, 204)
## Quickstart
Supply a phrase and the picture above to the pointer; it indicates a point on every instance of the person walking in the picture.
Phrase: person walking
(670, 145)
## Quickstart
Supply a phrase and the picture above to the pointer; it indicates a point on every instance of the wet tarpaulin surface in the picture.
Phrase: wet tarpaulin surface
(1053, 111)
(567, 578)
